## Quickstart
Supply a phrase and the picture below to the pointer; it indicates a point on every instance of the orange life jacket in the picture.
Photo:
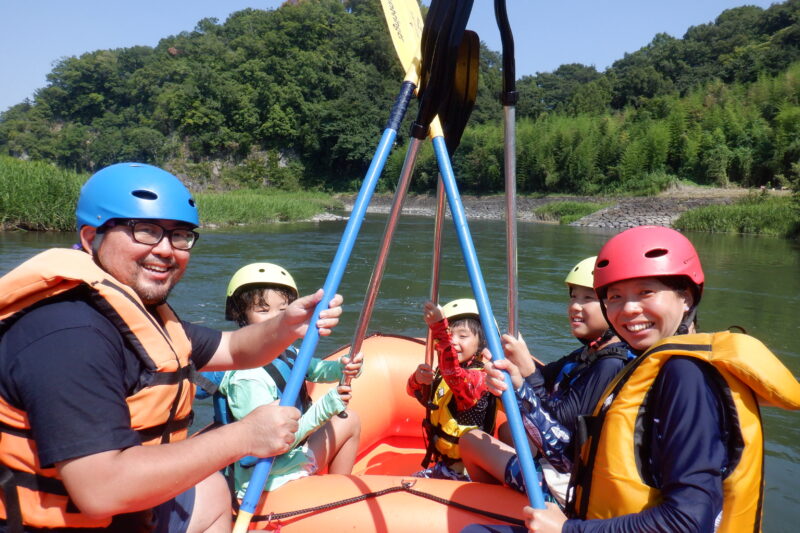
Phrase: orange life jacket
(608, 481)
(160, 412)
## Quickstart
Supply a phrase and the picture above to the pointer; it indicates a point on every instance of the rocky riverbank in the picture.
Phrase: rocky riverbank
(625, 212)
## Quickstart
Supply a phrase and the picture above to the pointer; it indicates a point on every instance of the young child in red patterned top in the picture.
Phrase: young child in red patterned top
(455, 394)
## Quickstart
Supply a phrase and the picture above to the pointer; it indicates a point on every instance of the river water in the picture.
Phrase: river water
(753, 282)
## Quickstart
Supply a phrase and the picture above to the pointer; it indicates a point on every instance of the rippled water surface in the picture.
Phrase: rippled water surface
(751, 282)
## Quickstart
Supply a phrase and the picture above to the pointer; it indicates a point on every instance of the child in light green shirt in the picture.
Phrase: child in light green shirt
(256, 293)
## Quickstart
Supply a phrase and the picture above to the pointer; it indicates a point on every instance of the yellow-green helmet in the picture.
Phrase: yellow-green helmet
(461, 308)
(582, 274)
(258, 274)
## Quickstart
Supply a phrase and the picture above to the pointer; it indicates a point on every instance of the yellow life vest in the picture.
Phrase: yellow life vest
(608, 481)
(160, 411)
(444, 425)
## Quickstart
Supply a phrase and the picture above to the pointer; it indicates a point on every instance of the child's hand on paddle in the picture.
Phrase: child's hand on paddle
(517, 352)
(352, 369)
(424, 374)
(432, 313)
(495, 379)
(345, 393)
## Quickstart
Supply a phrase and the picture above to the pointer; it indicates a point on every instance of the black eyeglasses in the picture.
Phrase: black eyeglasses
(151, 234)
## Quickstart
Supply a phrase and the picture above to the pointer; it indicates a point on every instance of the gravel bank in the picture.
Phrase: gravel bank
(624, 213)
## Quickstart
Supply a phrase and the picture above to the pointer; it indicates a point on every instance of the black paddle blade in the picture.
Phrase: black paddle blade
(439, 13)
(440, 51)
(509, 95)
(457, 107)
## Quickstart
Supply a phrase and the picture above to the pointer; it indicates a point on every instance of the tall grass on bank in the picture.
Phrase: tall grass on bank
(567, 212)
(37, 196)
(258, 207)
(755, 214)
(40, 196)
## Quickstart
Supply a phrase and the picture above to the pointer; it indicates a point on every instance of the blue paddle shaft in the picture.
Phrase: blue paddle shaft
(487, 320)
(331, 285)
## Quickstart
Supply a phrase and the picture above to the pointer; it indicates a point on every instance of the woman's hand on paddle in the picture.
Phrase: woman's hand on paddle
(345, 393)
(432, 313)
(424, 374)
(299, 312)
(352, 369)
(271, 429)
(517, 352)
(549, 520)
(495, 379)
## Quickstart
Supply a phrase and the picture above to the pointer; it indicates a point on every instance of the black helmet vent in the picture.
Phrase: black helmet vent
(145, 195)
(657, 252)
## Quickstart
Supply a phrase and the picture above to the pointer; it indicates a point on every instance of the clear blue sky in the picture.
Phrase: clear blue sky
(35, 33)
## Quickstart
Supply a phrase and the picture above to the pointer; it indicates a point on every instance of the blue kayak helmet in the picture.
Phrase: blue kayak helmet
(134, 190)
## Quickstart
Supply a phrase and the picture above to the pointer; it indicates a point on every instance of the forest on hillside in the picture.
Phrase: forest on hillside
(296, 97)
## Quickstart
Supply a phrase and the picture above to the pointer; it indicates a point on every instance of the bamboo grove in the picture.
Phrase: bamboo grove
(295, 97)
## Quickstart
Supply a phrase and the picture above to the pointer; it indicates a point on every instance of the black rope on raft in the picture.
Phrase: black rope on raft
(404, 486)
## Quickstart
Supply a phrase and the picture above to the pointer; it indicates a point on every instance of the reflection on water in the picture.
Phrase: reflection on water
(750, 281)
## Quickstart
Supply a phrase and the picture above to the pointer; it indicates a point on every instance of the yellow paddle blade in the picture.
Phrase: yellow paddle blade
(405, 26)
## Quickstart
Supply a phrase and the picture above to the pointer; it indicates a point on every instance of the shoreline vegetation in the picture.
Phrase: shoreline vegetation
(38, 196)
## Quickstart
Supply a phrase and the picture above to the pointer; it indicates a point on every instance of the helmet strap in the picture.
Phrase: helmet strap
(689, 318)
(601, 340)
(97, 241)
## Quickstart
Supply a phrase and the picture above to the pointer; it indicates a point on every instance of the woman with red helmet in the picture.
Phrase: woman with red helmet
(676, 442)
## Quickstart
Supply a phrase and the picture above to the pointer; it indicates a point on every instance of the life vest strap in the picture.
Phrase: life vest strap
(38, 483)
(17, 432)
(11, 500)
(442, 435)
(172, 378)
(280, 369)
(167, 427)
(587, 425)
(203, 382)
(10, 479)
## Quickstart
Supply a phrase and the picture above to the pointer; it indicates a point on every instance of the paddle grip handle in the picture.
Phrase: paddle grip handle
(509, 96)
(400, 106)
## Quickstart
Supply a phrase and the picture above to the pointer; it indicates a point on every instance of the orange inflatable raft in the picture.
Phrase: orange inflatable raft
(381, 496)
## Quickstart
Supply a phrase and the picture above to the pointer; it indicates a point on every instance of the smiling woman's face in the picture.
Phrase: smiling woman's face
(644, 310)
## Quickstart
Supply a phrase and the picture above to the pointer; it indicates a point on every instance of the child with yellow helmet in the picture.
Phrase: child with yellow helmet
(551, 397)
(256, 293)
(455, 394)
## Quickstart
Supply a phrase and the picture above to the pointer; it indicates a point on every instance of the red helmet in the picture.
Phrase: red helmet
(646, 251)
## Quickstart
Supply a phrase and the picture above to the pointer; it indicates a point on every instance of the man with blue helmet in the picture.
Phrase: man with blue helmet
(96, 368)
